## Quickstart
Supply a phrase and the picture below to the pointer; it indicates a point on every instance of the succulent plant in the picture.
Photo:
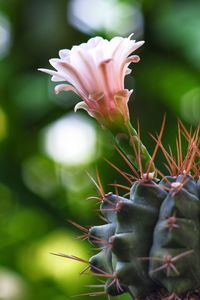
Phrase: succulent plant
(149, 246)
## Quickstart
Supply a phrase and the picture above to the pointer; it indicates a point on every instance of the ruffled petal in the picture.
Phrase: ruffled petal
(81, 105)
(65, 87)
(92, 43)
(95, 70)
(71, 75)
(56, 75)
(65, 54)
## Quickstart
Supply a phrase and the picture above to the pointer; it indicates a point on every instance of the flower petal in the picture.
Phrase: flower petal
(71, 74)
(81, 105)
(65, 87)
(56, 75)
(65, 54)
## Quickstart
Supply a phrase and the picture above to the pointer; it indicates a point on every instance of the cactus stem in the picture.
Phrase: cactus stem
(108, 209)
(108, 201)
(87, 235)
(128, 162)
(168, 266)
(168, 262)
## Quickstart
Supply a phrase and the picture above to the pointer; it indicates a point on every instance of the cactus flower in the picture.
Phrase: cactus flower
(95, 71)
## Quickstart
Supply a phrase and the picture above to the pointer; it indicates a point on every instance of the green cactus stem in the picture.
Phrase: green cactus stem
(128, 140)
(150, 243)
(152, 240)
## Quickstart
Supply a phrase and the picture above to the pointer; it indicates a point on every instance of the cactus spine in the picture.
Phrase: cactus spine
(150, 244)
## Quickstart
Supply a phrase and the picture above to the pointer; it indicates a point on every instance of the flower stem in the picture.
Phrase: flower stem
(128, 140)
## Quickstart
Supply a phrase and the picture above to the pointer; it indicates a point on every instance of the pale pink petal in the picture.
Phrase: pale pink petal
(124, 67)
(101, 52)
(95, 70)
(65, 87)
(108, 84)
(133, 58)
(84, 61)
(115, 44)
(65, 54)
(92, 43)
(71, 75)
(55, 74)
(131, 48)
(130, 36)
(85, 67)
(56, 78)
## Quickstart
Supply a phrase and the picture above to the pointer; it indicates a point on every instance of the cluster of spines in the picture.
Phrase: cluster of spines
(134, 220)
(145, 247)
(175, 254)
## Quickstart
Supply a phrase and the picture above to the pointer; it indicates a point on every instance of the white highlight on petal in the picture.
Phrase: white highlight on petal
(54, 74)
(133, 58)
(81, 105)
(71, 140)
(64, 87)
(64, 54)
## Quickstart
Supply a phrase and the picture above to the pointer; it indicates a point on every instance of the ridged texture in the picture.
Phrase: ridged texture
(152, 240)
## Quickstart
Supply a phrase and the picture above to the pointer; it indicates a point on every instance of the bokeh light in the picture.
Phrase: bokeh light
(108, 16)
(12, 286)
(181, 23)
(47, 265)
(70, 140)
(190, 106)
(5, 36)
(46, 150)
(3, 124)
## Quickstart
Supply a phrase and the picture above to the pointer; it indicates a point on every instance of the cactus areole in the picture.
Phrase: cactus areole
(149, 246)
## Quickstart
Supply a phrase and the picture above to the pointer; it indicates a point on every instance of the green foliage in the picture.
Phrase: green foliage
(38, 195)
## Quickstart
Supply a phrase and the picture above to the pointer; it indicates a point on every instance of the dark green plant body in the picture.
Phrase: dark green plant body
(152, 240)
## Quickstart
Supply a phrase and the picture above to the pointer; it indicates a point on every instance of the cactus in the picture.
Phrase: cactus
(150, 243)
(153, 238)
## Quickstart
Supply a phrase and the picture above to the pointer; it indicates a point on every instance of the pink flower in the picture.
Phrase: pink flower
(95, 71)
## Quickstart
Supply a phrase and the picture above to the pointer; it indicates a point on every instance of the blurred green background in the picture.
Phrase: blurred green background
(46, 150)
